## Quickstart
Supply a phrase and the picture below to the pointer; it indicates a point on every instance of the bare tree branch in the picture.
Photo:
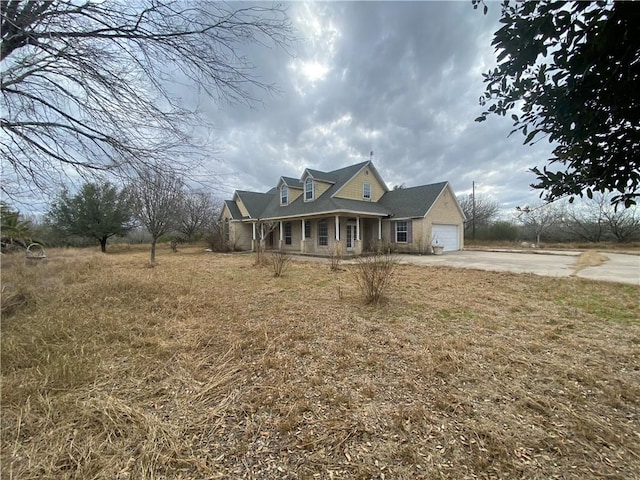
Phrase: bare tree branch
(90, 86)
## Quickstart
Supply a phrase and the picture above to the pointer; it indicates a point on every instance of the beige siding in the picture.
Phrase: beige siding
(320, 187)
(225, 214)
(296, 236)
(446, 212)
(419, 240)
(242, 208)
(353, 188)
(240, 235)
(294, 194)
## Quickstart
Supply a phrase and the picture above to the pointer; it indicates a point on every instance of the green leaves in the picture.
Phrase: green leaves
(583, 97)
(97, 211)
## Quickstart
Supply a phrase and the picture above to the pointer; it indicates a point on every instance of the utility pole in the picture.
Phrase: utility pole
(473, 196)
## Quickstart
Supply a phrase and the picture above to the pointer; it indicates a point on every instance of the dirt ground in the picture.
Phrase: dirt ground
(207, 366)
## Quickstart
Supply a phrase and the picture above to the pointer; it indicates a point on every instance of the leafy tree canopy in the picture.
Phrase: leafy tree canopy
(98, 211)
(573, 68)
(14, 228)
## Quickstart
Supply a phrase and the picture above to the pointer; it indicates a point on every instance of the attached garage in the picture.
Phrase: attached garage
(447, 236)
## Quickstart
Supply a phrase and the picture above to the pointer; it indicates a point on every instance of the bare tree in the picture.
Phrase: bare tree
(263, 229)
(539, 218)
(156, 200)
(89, 87)
(585, 220)
(623, 224)
(198, 213)
(482, 214)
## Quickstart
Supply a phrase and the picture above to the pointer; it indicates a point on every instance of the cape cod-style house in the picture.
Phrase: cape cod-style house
(350, 208)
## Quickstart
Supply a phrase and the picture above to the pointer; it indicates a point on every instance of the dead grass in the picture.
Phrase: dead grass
(209, 367)
(590, 258)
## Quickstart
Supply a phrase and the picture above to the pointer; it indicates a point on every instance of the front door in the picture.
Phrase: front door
(351, 235)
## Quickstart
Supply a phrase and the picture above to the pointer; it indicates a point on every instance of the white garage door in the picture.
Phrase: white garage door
(446, 235)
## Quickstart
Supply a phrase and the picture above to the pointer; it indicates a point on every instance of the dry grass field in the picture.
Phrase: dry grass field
(208, 367)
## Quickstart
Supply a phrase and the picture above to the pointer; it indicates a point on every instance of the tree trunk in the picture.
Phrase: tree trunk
(103, 244)
(153, 252)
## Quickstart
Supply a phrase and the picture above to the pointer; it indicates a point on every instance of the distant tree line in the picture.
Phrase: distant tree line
(585, 220)
(154, 208)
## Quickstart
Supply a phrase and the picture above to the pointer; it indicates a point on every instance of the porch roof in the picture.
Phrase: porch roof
(321, 206)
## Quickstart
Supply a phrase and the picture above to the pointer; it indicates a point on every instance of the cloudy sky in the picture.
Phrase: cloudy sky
(401, 79)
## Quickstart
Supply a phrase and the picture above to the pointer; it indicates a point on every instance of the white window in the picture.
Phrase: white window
(401, 232)
(366, 191)
(284, 195)
(287, 233)
(308, 189)
(323, 233)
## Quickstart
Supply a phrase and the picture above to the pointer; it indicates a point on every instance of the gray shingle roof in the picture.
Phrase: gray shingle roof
(233, 209)
(403, 203)
(292, 182)
(255, 202)
(412, 202)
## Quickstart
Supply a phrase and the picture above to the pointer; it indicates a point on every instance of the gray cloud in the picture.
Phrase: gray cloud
(401, 79)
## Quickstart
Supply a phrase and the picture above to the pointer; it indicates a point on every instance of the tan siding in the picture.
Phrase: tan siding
(446, 212)
(240, 235)
(242, 208)
(419, 240)
(353, 188)
(320, 188)
(294, 194)
(296, 235)
(225, 214)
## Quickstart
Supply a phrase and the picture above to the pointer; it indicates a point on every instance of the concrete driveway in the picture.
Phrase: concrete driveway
(617, 268)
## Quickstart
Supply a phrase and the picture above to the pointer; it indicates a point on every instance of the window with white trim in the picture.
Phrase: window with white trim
(308, 189)
(307, 229)
(401, 232)
(323, 233)
(284, 195)
(287, 233)
(366, 191)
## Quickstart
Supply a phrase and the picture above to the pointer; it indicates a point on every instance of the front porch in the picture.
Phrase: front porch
(324, 236)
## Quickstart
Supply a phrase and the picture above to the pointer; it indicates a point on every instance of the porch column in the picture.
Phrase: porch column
(379, 228)
(281, 244)
(337, 228)
(253, 238)
(303, 241)
(358, 242)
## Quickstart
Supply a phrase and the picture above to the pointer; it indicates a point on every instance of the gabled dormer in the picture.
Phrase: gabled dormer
(289, 190)
(365, 184)
(315, 183)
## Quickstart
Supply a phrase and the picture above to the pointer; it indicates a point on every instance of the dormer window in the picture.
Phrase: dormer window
(308, 189)
(284, 195)
(366, 191)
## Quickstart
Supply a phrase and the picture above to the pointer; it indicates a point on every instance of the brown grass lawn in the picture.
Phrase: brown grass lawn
(209, 367)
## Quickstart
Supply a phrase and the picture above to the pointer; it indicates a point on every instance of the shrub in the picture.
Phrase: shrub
(373, 275)
(279, 261)
(335, 257)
